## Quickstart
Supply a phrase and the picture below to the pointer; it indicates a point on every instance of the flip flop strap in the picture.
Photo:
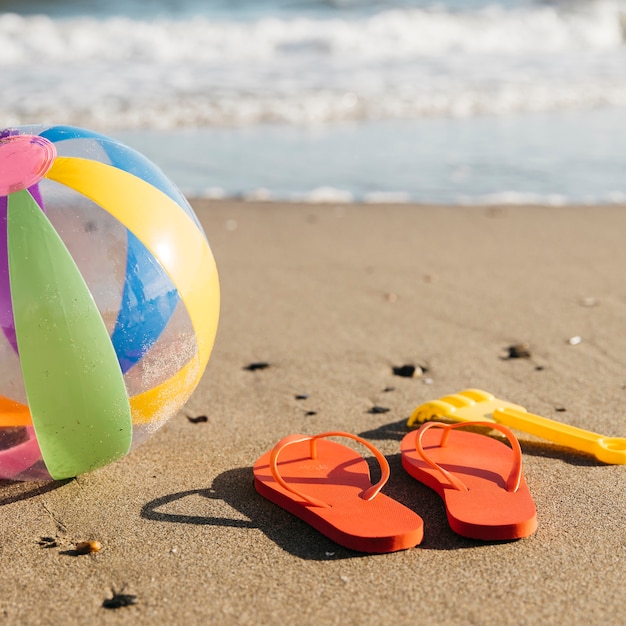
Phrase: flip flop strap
(514, 479)
(368, 494)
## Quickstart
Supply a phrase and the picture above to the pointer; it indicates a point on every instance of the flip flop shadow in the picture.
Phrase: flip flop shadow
(236, 488)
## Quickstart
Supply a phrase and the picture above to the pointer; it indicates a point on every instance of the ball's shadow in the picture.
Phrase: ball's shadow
(13, 491)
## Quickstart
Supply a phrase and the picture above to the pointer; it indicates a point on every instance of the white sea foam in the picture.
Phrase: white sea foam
(120, 72)
(324, 195)
(515, 198)
(344, 196)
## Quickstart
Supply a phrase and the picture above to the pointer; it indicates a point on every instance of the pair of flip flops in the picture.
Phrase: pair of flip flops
(328, 485)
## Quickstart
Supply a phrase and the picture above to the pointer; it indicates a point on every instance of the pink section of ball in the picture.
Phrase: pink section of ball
(24, 161)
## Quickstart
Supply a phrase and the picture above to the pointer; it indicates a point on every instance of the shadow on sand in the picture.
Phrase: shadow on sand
(236, 488)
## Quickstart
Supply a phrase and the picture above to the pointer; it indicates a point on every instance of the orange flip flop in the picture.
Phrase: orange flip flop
(328, 485)
(479, 478)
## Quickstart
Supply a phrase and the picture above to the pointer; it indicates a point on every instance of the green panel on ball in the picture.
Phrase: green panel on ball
(73, 380)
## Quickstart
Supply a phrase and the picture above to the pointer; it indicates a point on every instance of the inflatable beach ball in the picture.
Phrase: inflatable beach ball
(109, 301)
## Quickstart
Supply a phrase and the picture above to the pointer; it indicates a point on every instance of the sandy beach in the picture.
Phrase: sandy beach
(332, 298)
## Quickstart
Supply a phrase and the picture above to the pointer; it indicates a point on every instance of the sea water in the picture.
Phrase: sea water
(451, 101)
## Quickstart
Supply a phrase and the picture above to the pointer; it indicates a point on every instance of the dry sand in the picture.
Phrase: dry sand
(333, 297)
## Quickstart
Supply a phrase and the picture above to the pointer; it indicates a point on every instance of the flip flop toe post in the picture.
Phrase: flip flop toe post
(328, 485)
(479, 478)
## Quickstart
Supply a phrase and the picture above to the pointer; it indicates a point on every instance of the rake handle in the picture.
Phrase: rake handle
(606, 449)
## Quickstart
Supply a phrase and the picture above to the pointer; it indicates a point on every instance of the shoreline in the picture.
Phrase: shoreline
(552, 158)
(199, 202)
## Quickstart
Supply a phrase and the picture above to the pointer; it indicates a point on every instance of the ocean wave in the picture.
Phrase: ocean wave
(161, 111)
(390, 34)
(163, 73)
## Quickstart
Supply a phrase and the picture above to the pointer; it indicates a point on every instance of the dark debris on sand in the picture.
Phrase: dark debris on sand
(519, 351)
(198, 419)
(409, 370)
(119, 600)
(379, 409)
(48, 542)
(257, 365)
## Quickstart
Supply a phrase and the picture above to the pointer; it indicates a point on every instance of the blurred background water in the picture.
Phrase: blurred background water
(455, 101)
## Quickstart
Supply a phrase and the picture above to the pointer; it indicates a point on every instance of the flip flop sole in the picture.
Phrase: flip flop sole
(338, 476)
(486, 510)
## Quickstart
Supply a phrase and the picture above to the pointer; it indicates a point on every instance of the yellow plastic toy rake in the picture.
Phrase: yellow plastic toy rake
(477, 405)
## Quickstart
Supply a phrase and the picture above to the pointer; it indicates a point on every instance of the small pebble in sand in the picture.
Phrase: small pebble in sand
(301, 396)
(391, 297)
(87, 547)
(574, 341)
(257, 365)
(519, 351)
(199, 419)
(379, 409)
(409, 371)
